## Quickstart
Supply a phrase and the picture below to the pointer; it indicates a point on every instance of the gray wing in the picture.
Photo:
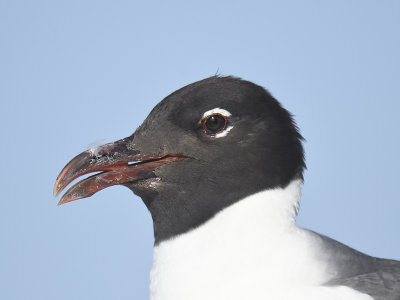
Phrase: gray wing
(379, 278)
(381, 284)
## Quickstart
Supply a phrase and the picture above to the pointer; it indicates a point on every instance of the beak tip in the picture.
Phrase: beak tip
(62, 201)
(56, 191)
(68, 197)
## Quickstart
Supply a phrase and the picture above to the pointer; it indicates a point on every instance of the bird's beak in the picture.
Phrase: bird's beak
(119, 162)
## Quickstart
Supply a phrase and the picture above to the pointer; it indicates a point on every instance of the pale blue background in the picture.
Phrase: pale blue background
(73, 73)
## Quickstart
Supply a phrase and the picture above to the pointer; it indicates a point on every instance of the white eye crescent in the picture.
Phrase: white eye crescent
(215, 122)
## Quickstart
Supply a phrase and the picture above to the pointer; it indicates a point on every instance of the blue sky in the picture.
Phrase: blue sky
(78, 73)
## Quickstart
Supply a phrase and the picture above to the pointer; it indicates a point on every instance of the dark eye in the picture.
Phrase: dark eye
(214, 124)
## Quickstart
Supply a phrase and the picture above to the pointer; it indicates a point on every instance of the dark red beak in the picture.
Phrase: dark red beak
(118, 163)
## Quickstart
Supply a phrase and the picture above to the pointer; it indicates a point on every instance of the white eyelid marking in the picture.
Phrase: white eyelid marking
(217, 110)
(222, 112)
(224, 132)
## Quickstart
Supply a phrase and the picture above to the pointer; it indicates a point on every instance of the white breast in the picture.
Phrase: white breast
(250, 250)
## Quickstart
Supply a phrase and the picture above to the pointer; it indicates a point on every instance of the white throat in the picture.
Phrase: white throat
(250, 250)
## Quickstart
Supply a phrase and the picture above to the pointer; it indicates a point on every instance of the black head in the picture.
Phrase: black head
(239, 141)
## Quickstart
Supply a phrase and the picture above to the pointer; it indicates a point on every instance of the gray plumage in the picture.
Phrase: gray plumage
(377, 277)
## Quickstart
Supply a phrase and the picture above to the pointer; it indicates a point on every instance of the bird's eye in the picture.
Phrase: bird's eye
(214, 124)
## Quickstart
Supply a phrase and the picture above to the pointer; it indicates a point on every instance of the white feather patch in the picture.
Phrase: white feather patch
(250, 250)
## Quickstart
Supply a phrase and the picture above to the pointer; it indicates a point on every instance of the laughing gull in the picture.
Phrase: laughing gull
(219, 165)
